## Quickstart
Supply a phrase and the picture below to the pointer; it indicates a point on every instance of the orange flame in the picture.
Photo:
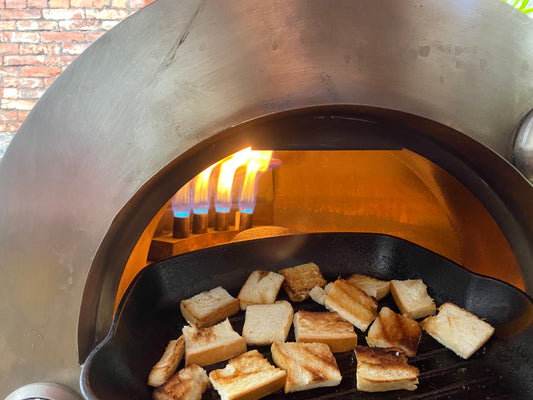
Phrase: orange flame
(201, 191)
(225, 179)
(256, 166)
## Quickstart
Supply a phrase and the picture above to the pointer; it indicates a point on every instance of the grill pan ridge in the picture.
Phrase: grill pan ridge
(148, 316)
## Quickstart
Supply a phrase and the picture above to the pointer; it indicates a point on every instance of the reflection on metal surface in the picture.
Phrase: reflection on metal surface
(523, 147)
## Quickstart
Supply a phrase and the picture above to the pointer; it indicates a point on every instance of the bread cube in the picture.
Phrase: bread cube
(261, 287)
(458, 329)
(299, 280)
(412, 298)
(208, 308)
(267, 323)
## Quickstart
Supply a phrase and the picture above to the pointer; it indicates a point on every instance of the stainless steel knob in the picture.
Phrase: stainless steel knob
(43, 390)
(523, 147)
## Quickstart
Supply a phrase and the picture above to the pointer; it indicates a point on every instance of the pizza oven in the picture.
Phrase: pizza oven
(409, 120)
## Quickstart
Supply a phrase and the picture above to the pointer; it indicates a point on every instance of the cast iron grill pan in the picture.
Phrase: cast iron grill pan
(148, 317)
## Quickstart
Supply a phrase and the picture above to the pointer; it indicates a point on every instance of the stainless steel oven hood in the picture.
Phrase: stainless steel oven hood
(162, 86)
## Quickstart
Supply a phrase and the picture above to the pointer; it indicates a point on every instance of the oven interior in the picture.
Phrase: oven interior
(336, 186)
(333, 170)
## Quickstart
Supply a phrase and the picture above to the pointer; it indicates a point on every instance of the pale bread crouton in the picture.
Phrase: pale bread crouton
(261, 287)
(247, 377)
(188, 384)
(458, 330)
(318, 294)
(412, 298)
(352, 304)
(168, 363)
(308, 365)
(380, 370)
(390, 329)
(208, 308)
(205, 346)
(372, 286)
(324, 327)
(267, 323)
(299, 280)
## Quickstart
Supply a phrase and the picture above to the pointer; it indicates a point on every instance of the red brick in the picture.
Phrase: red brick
(80, 25)
(27, 93)
(37, 3)
(13, 126)
(2, 4)
(92, 37)
(49, 80)
(21, 14)
(40, 48)
(71, 49)
(107, 13)
(7, 25)
(63, 13)
(120, 3)
(39, 71)
(15, 3)
(62, 37)
(59, 3)
(22, 115)
(140, 3)
(10, 93)
(3, 126)
(9, 48)
(81, 3)
(21, 37)
(107, 25)
(23, 83)
(24, 60)
(12, 104)
(59, 60)
(28, 25)
(8, 115)
(101, 3)
(8, 71)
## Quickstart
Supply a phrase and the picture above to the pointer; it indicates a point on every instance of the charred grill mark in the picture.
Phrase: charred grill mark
(262, 275)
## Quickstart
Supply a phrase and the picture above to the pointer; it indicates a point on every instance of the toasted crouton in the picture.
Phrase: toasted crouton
(372, 286)
(261, 287)
(208, 308)
(324, 327)
(352, 304)
(412, 298)
(319, 294)
(205, 346)
(390, 329)
(457, 329)
(249, 376)
(380, 370)
(308, 365)
(299, 280)
(188, 384)
(168, 363)
(267, 323)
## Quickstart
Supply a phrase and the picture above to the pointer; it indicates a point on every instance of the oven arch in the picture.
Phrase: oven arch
(342, 127)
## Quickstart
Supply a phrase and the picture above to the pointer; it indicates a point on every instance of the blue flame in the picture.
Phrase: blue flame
(182, 202)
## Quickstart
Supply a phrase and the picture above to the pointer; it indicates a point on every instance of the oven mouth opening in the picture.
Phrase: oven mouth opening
(374, 132)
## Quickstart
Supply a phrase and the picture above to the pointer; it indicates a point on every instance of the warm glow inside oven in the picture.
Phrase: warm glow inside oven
(252, 194)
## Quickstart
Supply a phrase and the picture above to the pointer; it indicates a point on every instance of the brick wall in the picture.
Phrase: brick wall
(38, 40)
